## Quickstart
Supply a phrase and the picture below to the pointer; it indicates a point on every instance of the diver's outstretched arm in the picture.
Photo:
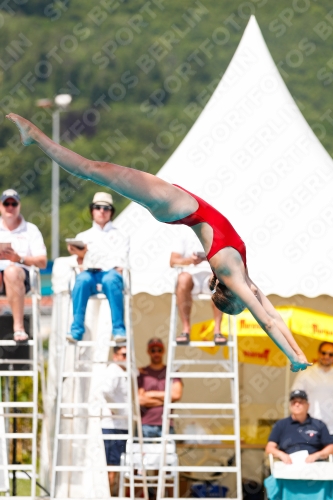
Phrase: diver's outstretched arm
(165, 201)
(279, 333)
(270, 323)
(273, 313)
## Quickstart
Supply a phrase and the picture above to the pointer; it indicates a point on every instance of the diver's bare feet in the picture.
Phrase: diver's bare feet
(25, 127)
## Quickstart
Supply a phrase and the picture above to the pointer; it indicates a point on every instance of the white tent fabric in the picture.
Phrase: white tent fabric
(253, 156)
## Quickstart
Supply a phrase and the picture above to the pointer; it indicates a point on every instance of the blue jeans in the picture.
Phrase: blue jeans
(85, 286)
(154, 431)
(114, 448)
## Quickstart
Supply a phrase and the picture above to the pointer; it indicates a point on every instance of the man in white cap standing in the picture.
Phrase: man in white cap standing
(21, 246)
(103, 256)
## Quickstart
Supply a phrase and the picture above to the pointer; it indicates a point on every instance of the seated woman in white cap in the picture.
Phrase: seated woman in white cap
(103, 256)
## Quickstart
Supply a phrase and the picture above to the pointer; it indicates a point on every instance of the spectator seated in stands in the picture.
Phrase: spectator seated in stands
(300, 432)
(102, 258)
(188, 251)
(21, 246)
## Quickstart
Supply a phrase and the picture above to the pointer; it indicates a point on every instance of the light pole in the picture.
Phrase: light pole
(60, 103)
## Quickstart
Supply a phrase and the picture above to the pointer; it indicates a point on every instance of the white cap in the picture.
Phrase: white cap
(102, 199)
(10, 193)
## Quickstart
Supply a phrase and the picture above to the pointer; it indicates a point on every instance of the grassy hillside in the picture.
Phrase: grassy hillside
(133, 68)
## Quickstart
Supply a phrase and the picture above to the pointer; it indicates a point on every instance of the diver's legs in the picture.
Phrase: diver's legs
(163, 200)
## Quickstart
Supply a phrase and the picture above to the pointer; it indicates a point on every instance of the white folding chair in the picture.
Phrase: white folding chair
(152, 449)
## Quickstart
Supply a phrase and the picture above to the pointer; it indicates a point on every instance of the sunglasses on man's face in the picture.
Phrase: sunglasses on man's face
(102, 207)
(325, 353)
(154, 350)
(10, 204)
(123, 354)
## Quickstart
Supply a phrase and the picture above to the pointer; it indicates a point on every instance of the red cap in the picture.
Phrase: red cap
(155, 341)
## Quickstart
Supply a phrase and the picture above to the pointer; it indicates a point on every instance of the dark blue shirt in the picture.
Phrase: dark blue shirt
(291, 435)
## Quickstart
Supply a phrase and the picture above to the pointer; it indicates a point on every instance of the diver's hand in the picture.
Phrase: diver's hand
(300, 363)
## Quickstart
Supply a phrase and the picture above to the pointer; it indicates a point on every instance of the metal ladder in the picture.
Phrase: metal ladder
(132, 406)
(11, 409)
(227, 410)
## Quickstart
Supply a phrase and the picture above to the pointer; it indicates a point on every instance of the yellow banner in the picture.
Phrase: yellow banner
(254, 346)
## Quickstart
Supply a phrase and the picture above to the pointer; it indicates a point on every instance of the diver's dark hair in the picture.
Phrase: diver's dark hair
(222, 297)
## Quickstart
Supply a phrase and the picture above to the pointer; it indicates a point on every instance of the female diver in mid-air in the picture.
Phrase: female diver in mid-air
(231, 284)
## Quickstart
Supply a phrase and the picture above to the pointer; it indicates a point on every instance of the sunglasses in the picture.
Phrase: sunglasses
(123, 354)
(10, 204)
(153, 351)
(324, 353)
(102, 207)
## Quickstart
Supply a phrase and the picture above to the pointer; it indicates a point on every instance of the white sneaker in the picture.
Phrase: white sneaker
(70, 339)
(120, 339)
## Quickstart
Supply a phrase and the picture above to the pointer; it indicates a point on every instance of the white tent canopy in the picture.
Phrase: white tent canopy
(252, 155)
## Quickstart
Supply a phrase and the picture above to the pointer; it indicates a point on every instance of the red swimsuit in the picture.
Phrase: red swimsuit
(224, 235)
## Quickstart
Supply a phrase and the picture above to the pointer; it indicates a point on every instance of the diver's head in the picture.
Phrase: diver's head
(224, 299)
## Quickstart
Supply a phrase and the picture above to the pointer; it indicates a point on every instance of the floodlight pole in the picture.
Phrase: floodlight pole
(59, 103)
(55, 189)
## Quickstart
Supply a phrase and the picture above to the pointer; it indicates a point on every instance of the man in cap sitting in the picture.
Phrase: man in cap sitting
(21, 246)
(102, 258)
(300, 432)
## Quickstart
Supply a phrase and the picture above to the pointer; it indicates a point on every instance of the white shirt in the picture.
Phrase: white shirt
(186, 244)
(108, 247)
(318, 384)
(26, 241)
(63, 273)
(114, 390)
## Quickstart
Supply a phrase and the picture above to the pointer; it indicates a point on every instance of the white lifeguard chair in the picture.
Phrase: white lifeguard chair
(225, 370)
(79, 464)
(10, 408)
